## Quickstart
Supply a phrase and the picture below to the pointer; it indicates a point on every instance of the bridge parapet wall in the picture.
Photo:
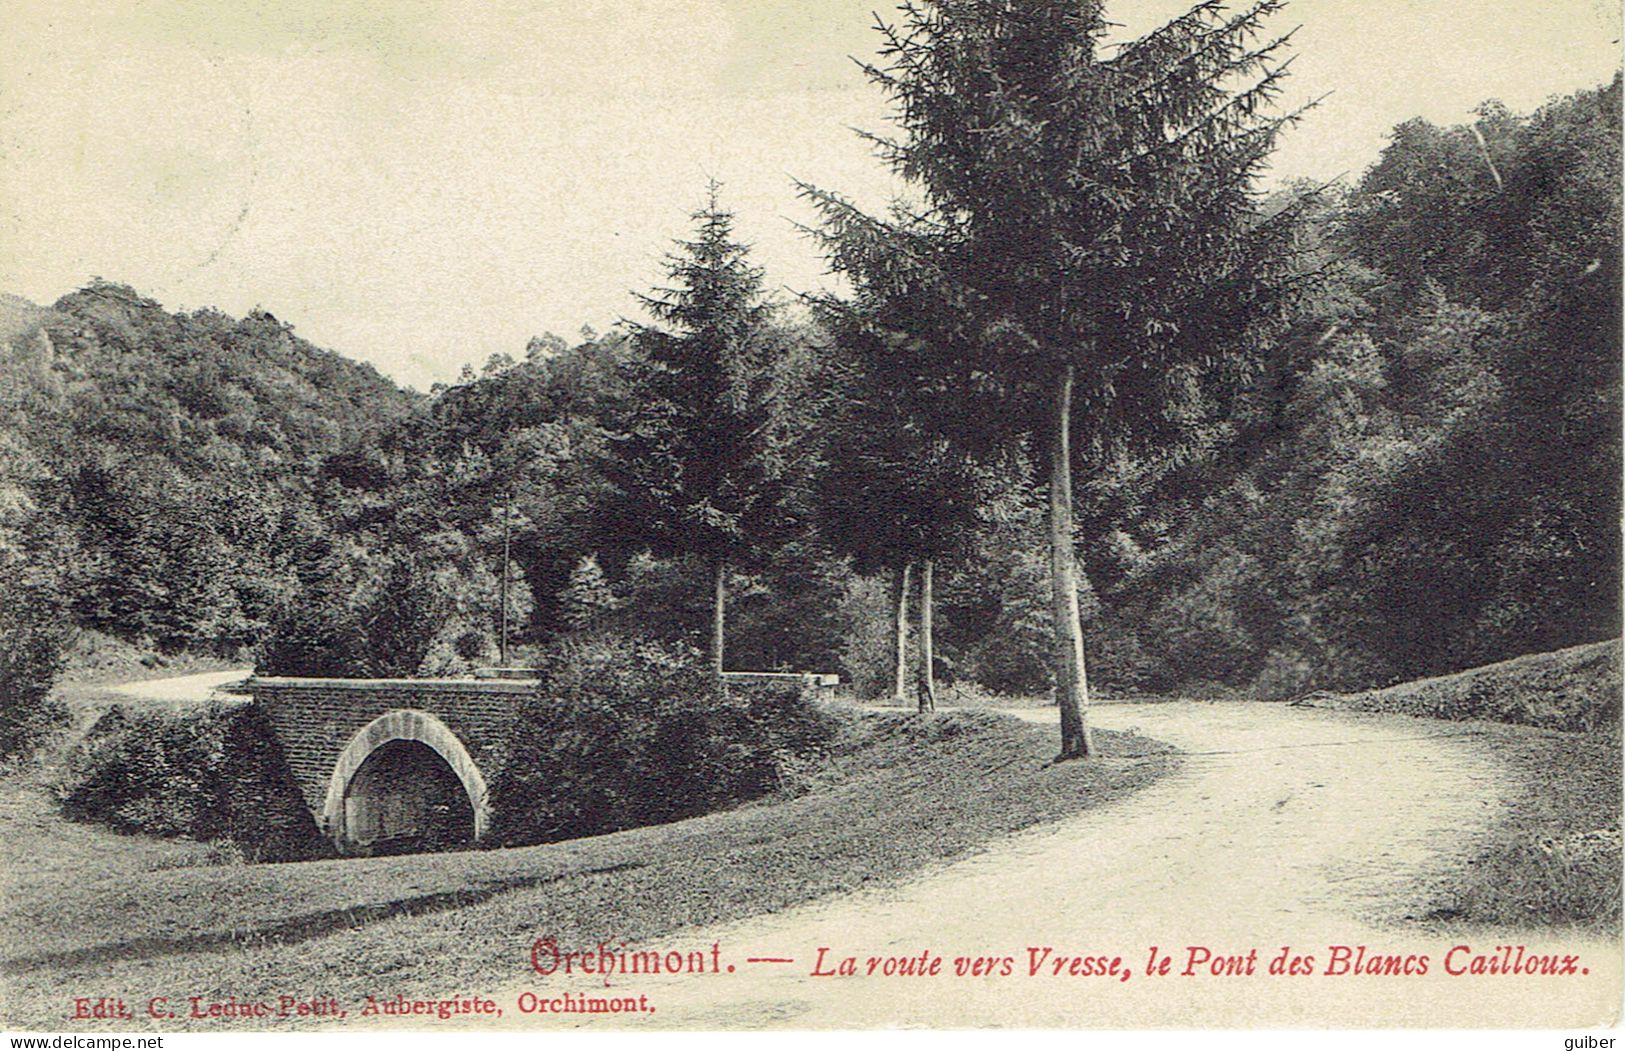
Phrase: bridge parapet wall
(315, 719)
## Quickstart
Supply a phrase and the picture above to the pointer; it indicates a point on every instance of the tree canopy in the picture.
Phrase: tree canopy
(1087, 257)
(701, 467)
(1417, 474)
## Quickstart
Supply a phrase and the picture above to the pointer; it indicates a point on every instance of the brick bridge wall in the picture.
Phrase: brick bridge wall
(317, 722)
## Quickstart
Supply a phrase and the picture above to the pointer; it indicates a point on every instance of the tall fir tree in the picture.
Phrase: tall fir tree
(701, 463)
(1085, 263)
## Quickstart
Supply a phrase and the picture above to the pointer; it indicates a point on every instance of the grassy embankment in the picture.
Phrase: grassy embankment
(93, 914)
(1554, 858)
(98, 659)
(96, 662)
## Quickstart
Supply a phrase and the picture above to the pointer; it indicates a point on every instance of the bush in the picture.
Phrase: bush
(147, 772)
(1120, 663)
(1286, 674)
(34, 635)
(409, 609)
(868, 657)
(1551, 881)
(315, 634)
(216, 773)
(389, 629)
(1012, 656)
(625, 733)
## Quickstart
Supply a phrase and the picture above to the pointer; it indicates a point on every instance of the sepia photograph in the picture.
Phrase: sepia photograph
(806, 515)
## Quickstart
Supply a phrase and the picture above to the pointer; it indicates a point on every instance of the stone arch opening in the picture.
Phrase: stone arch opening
(405, 782)
(404, 797)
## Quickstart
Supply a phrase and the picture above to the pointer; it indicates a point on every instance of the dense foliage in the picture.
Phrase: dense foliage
(1427, 478)
(33, 637)
(1422, 476)
(161, 474)
(623, 734)
(215, 773)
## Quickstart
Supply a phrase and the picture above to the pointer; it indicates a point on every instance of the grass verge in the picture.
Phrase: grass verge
(1574, 689)
(95, 658)
(1553, 860)
(97, 914)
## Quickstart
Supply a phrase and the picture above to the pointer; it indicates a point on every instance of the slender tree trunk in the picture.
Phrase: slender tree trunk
(928, 677)
(507, 519)
(1071, 682)
(900, 653)
(719, 572)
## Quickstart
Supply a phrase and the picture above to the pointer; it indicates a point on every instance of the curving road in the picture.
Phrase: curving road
(1284, 827)
(180, 689)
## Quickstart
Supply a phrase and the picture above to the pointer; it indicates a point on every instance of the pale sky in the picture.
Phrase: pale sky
(422, 184)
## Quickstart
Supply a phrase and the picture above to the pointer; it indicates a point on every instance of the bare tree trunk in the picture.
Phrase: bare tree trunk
(507, 518)
(927, 678)
(720, 577)
(1071, 681)
(900, 608)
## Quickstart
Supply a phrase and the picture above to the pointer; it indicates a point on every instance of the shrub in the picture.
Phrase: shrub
(1286, 674)
(387, 629)
(215, 773)
(1551, 881)
(314, 634)
(34, 634)
(411, 606)
(867, 653)
(1200, 632)
(1013, 656)
(625, 733)
(146, 772)
(1121, 663)
(587, 600)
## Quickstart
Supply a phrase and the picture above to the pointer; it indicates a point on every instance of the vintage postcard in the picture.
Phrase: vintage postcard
(775, 514)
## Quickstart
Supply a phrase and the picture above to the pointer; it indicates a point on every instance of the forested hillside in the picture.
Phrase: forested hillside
(162, 473)
(1426, 477)
(1421, 475)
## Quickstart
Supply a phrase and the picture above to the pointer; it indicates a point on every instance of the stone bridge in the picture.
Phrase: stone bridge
(403, 764)
(390, 764)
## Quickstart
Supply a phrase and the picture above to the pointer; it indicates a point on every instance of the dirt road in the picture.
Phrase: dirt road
(180, 690)
(1285, 827)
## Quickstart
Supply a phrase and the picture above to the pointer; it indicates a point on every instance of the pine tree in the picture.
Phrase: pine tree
(587, 599)
(1085, 265)
(701, 463)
